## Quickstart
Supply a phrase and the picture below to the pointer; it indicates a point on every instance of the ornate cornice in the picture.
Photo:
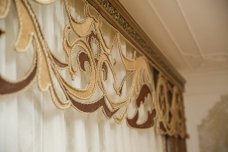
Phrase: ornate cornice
(118, 17)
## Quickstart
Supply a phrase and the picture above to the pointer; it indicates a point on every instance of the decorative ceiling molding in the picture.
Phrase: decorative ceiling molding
(189, 55)
(199, 29)
(185, 56)
(121, 20)
(189, 28)
(169, 33)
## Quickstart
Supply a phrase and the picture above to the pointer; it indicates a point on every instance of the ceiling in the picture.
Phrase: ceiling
(192, 34)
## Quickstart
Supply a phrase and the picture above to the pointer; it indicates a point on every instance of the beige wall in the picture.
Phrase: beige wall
(203, 91)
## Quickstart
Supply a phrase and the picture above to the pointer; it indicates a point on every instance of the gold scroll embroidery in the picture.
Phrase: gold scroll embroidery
(165, 107)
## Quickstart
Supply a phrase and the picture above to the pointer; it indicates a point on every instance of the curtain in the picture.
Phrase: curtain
(30, 121)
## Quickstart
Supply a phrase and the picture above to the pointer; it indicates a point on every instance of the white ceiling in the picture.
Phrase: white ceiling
(192, 34)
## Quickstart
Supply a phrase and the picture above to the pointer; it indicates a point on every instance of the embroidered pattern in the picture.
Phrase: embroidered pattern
(141, 89)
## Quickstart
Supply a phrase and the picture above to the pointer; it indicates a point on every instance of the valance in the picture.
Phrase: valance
(121, 80)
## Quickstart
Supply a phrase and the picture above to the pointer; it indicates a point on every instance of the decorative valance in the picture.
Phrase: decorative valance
(118, 70)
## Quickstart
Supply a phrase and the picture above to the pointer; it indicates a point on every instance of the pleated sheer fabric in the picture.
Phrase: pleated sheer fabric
(30, 122)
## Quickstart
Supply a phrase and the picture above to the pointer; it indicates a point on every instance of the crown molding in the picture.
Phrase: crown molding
(119, 18)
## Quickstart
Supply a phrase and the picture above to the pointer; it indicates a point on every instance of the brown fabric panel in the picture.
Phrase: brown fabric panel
(143, 93)
(149, 123)
(175, 144)
(7, 87)
(1, 32)
(82, 58)
(93, 107)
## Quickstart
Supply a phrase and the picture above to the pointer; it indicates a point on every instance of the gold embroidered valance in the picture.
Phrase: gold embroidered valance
(124, 85)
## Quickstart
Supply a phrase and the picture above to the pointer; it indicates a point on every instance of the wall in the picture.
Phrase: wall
(203, 91)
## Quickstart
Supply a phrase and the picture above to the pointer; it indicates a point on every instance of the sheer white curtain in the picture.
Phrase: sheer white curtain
(29, 121)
